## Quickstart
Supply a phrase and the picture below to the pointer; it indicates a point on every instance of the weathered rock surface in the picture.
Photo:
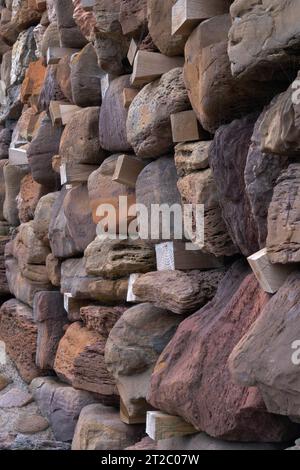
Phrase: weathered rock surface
(63, 76)
(133, 16)
(23, 52)
(42, 148)
(148, 124)
(273, 369)
(53, 266)
(28, 198)
(50, 39)
(13, 176)
(31, 424)
(75, 280)
(283, 220)
(118, 258)
(191, 156)
(203, 392)
(51, 90)
(69, 34)
(42, 216)
(80, 362)
(113, 116)
(51, 317)
(60, 404)
(177, 291)
(99, 428)
(85, 20)
(271, 51)
(100, 318)
(132, 349)
(15, 397)
(80, 139)
(109, 292)
(19, 332)
(228, 157)
(86, 78)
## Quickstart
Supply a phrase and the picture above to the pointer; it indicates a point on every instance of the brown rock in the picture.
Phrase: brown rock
(51, 90)
(177, 291)
(118, 258)
(31, 424)
(191, 156)
(149, 128)
(228, 157)
(53, 266)
(5, 140)
(113, 116)
(86, 78)
(13, 176)
(42, 148)
(100, 318)
(74, 278)
(80, 362)
(28, 198)
(27, 248)
(6, 67)
(42, 216)
(133, 16)
(99, 428)
(85, 20)
(51, 317)
(273, 369)
(192, 379)
(69, 34)
(80, 139)
(109, 292)
(4, 382)
(63, 76)
(50, 39)
(132, 349)
(160, 27)
(2, 187)
(19, 332)
(283, 226)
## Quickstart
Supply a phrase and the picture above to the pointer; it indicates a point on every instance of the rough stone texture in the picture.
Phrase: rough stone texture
(200, 188)
(60, 404)
(69, 34)
(264, 38)
(272, 369)
(100, 318)
(15, 397)
(13, 176)
(2, 187)
(63, 76)
(4, 382)
(132, 349)
(42, 216)
(51, 90)
(4, 288)
(85, 20)
(80, 362)
(31, 424)
(283, 220)
(19, 332)
(99, 428)
(228, 157)
(28, 198)
(177, 291)
(38, 33)
(23, 52)
(216, 96)
(111, 46)
(160, 27)
(50, 39)
(86, 78)
(191, 156)
(6, 67)
(113, 116)
(102, 190)
(80, 140)
(191, 378)
(148, 124)
(33, 81)
(53, 266)
(109, 292)
(42, 148)
(75, 280)
(79, 221)
(157, 184)
(51, 317)
(118, 258)
(27, 248)
(133, 17)
(5, 139)
(261, 172)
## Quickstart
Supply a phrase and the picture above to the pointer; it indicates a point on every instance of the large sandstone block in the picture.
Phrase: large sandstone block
(178, 291)
(80, 139)
(86, 78)
(216, 96)
(60, 404)
(132, 349)
(200, 188)
(264, 38)
(69, 34)
(149, 129)
(19, 332)
(5, 140)
(50, 317)
(99, 428)
(118, 258)
(113, 116)
(41, 150)
(228, 157)
(160, 27)
(80, 362)
(283, 219)
(261, 173)
(274, 369)
(192, 380)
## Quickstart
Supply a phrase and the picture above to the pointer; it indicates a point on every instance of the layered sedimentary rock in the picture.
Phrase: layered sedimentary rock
(132, 349)
(203, 392)
(148, 123)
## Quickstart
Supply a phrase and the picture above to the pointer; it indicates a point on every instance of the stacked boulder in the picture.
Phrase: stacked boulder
(121, 329)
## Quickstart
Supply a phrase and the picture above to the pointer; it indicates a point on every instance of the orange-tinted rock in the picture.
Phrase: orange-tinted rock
(28, 198)
(191, 378)
(34, 80)
(63, 77)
